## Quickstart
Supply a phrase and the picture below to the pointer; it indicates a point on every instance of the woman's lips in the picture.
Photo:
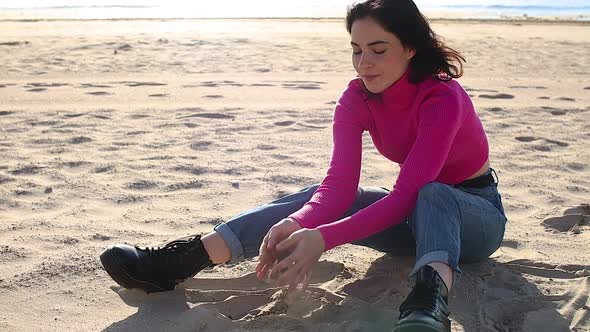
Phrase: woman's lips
(369, 78)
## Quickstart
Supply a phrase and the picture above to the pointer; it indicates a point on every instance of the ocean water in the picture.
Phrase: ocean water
(94, 9)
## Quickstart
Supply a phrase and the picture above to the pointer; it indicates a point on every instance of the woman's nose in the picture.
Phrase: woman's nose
(365, 61)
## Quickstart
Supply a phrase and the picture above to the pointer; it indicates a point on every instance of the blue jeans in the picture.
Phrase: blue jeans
(448, 224)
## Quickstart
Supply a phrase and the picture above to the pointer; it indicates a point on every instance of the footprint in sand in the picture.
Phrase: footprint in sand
(195, 170)
(11, 254)
(528, 139)
(142, 185)
(138, 116)
(103, 169)
(75, 164)
(566, 99)
(3, 113)
(289, 179)
(213, 84)
(266, 147)
(544, 97)
(4, 179)
(261, 85)
(578, 167)
(27, 170)
(573, 220)
(284, 123)
(37, 90)
(15, 43)
(45, 85)
(558, 112)
(495, 109)
(74, 115)
(279, 156)
(185, 185)
(497, 96)
(134, 84)
(213, 96)
(479, 90)
(527, 87)
(95, 86)
(310, 86)
(310, 126)
(587, 88)
(158, 95)
(201, 146)
(99, 93)
(208, 116)
(137, 132)
(80, 140)
(102, 117)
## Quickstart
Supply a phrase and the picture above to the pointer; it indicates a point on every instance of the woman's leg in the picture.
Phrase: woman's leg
(397, 240)
(449, 224)
(241, 236)
(452, 224)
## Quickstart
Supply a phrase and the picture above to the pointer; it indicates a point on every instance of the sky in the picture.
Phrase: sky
(252, 8)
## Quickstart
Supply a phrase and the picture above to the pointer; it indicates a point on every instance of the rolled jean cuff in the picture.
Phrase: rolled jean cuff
(437, 256)
(232, 241)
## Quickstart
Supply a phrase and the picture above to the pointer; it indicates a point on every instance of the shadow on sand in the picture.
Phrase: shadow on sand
(490, 296)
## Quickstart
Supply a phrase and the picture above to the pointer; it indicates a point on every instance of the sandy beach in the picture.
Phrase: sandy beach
(141, 131)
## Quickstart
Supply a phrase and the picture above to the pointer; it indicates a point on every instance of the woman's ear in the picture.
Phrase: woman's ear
(411, 53)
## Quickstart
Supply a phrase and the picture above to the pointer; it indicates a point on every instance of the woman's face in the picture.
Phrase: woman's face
(378, 56)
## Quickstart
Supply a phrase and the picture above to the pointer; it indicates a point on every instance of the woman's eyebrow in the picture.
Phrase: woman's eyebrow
(371, 43)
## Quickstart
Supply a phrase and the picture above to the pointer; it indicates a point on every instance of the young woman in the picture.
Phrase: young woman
(444, 206)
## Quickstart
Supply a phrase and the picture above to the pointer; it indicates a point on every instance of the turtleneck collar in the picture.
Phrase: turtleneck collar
(400, 94)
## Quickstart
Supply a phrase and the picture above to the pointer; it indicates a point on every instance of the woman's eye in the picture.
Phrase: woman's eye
(356, 52)
(379, 52)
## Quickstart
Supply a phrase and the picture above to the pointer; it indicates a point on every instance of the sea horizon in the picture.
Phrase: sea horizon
(153, 9)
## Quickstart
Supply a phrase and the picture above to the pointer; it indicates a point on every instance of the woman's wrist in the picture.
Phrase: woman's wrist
(295, 223)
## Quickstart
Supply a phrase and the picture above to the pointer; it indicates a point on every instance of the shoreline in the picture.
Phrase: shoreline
(528, 20)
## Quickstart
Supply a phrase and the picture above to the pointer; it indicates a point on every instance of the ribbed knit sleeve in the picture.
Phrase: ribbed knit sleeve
(338, 190)
(439, 118)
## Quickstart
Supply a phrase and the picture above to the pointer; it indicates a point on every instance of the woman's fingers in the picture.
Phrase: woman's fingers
(262, 257)
(289, 242)
(283, 265)
(289, 268)
(306, 279)
(261, 274)
(277, 233)
(289, 276)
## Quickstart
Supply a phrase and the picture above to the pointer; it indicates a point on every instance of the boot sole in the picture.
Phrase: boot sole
(121, 277)
(416, 327)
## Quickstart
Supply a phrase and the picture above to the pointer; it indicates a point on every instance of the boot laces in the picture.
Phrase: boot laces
(173, 252)
(423, 298)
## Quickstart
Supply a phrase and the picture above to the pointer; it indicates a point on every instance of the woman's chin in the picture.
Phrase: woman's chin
(373, 88)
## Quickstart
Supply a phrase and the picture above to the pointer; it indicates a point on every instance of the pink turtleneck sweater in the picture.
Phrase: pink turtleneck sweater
(431, 129)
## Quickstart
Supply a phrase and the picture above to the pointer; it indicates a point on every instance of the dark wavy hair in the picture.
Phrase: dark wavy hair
(403, 19)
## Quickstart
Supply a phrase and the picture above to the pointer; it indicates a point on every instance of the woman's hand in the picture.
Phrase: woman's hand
(301, 251)
(267, 255)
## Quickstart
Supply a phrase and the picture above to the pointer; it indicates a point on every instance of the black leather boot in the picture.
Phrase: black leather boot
(155, 269)
(426, 307)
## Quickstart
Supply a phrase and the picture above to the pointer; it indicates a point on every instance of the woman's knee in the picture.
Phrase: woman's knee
(435, 201)
(311, 188)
